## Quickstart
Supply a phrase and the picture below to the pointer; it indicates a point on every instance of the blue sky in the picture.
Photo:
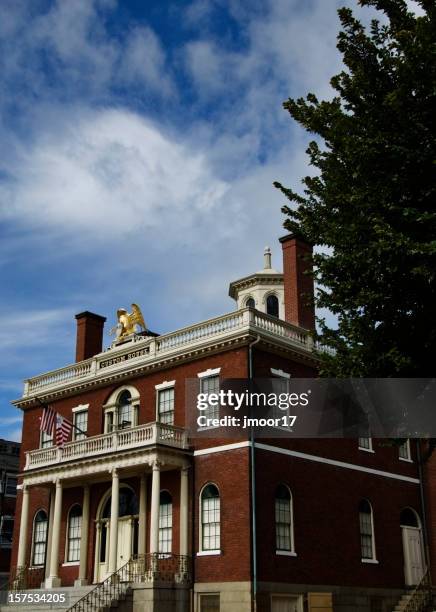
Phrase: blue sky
(138, 145)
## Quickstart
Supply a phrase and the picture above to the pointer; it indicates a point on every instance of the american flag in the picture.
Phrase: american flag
(63, 430)
(47, 420)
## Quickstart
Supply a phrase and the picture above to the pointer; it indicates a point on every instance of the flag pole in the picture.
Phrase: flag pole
(77, 429)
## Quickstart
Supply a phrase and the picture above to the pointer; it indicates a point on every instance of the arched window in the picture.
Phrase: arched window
(74, 533)
(40, 525)
(250, 303)
(125, 412)
(284, 519)
(272, 305)
(367, 541)
(409, 518)
(165, 523)
(210, 518)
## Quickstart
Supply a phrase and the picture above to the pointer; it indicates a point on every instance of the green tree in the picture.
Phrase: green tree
(372, 201)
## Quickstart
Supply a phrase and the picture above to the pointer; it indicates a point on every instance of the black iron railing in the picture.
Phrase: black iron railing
(26, 577)
(140, 568)
(421, 596)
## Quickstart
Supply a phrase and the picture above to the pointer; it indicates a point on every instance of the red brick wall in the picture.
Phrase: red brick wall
(326, 523)
(229, 471)
(298, 286)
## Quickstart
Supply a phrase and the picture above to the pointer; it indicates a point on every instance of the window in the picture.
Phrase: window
(46, 440)
(409, 518)
(209, 602)
(210, 518)
(39, 538)
(165, 405)
(80, 420)
(367, 544)
(365, 444)
(165, 523)
(124, 410)
(404, 451)
(210, 384)
(11, 486)
(6, 530)
(272, 305)
(74, 533)
(250, 303)
(283, 519)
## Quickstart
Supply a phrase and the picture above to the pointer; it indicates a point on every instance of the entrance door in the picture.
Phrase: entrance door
(414, 566)
(124, 547)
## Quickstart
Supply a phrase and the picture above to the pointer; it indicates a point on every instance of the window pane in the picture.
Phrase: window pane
(210, 518)
(46, 440)
(365, 443)
(74, 534)
(11, 486)
(81, 422)
(366, 539)
(209, 603)
(165, 523)
(404, 450)
(39, 538)
(283, 518)
(211, 384)
(166, 406)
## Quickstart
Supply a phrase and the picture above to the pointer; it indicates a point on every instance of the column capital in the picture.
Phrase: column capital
(185, 469)
(156, 465)
(114, 473)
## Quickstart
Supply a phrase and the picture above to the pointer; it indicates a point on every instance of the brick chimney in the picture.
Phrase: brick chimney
(89, 335)
(299, 292)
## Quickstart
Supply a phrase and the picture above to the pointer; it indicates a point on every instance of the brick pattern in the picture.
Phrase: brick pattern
(298, 285)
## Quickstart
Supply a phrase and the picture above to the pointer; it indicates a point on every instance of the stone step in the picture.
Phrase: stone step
(73, 595)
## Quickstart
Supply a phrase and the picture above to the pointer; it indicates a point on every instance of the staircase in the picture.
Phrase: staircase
(418, 600)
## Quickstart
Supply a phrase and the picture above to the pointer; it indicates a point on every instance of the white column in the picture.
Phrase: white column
(24, 520)
(155, 503)
(184, 511)
(142, 515)
(49, 534)
(53, 579)
(81, 581)
(113, 535)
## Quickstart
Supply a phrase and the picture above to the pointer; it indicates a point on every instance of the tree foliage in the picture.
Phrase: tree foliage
(372, 201)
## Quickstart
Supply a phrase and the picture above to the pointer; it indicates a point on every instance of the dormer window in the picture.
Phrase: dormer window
(272, 305)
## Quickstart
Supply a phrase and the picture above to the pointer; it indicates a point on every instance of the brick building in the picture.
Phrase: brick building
(276, 525)
(9, 465)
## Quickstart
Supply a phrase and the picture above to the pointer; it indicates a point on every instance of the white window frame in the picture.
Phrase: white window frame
(67, 536)
(291, 597)
(373, 559)
(32, 551)
(201, 551)
(111, 407)
(164, 386)
(278, 413)
(44, 434)
(166, 553)
(408, 457)
(368, 449)
(291, 552)
(77, 410)
(210, 373)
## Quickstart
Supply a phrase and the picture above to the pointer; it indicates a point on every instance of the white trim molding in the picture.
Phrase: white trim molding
(280, 373)
(286, 553)
(342, 464)
(167, 384)
(221, 449)
(207, 553)
(80, 408)
(209, 372)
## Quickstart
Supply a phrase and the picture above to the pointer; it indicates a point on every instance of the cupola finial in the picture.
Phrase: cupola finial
(267, 258)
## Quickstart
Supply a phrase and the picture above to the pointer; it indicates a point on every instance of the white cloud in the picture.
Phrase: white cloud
(114, 171)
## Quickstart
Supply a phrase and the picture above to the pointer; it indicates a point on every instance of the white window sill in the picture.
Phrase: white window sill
(286, 553)
(373, 561)
(366, 450)
(206, 553)
(406, 460)
(70, 563)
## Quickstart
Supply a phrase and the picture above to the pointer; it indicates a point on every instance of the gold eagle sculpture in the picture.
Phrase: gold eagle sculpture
(127, 322)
